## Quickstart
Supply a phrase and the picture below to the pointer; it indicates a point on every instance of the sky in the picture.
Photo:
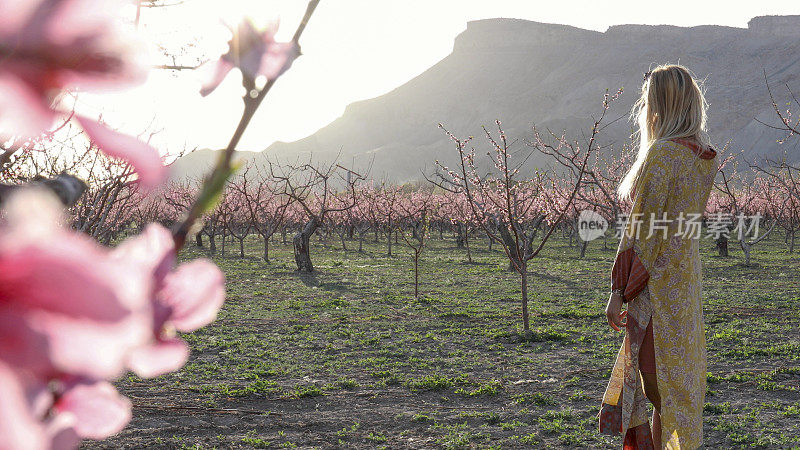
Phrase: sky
(352, 50)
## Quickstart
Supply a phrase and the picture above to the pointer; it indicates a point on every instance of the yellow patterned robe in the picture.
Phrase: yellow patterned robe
(676, 181)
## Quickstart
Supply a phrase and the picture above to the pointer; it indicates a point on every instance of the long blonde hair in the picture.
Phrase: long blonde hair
(672, 105)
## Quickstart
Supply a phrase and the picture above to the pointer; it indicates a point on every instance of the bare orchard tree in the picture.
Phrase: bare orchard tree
(746, 206)
(783, 175)
(314, 188)
(343, 222)
(414, 212)
(359, 216)
(508, 206)
(175, 200)
(105, 207)
(266, 207)
(781, 192)
(384, 202)
(21, 156)
(600, 179)
(788, 124)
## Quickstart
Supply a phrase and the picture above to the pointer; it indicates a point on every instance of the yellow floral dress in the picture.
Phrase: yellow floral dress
(658, 268)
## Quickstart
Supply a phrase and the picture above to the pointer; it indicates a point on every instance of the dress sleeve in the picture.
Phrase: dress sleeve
(638, 252)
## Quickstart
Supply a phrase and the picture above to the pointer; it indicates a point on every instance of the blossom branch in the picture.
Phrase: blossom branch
(215, 181)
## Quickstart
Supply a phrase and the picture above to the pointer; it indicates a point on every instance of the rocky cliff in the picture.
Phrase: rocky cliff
(554, 76)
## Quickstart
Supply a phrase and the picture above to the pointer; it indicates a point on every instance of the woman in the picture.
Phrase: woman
(657, 271)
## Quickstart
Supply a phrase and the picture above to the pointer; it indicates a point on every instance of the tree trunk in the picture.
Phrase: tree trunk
(343, 235)
(241, 248)
(459, 236)
(266, 248)
(302, 256)
(746, 249)
(198, 239)
(584, 244)
(525, 317)
(222, 251)
(212, 244)
(466, 243)
(722, 245)
(416, 275)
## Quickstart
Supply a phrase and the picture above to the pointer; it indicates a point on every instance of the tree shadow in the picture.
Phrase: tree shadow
(310, 279)
(316, 279)
(476, 263)
(542, 276)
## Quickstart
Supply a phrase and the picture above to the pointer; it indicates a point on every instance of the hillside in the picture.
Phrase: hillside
(554, 76)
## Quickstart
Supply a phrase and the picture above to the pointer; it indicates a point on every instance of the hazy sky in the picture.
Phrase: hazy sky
(353, 50)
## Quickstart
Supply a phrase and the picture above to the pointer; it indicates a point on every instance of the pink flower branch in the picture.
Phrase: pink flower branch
(215, 181)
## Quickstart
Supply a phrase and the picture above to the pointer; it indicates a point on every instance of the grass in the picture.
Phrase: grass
(347, 357)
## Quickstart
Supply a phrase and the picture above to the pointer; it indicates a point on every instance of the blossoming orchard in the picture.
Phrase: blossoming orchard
(460, 302)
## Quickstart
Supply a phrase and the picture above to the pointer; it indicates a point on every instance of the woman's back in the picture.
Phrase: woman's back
(657, 271)
(690, 171)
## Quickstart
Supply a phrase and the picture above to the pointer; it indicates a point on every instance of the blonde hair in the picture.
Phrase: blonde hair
(672, 105)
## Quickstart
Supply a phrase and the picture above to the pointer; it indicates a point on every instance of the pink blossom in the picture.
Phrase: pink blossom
(183, 299)
(144, 158)
(69, 315)
(57, 414)
(53, 44)
(50, 46)
(73, 313)
(97, 409)
(66, 306)
(19, 429)
(255, 53)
